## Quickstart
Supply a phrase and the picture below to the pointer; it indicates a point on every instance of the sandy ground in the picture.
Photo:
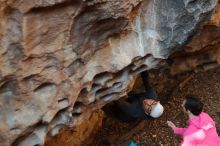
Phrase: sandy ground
(171, 91)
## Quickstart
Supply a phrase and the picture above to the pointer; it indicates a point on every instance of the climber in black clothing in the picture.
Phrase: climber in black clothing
(140, 106)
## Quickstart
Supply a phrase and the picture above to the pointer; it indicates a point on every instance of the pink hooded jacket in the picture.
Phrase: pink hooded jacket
(201, 131)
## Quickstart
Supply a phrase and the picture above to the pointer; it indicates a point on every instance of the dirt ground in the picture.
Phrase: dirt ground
(171, 90)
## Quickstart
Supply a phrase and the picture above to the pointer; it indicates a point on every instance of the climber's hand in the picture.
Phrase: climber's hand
(171, 124)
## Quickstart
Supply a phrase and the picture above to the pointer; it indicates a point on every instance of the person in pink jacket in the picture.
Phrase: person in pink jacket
(201, 130)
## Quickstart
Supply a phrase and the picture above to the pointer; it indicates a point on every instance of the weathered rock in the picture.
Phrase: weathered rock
(62, 59)
(203, 52)
(67, 136)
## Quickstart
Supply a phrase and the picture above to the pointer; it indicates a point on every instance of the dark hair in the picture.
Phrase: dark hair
(194, 105)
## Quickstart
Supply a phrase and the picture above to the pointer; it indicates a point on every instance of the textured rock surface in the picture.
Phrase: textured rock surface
(80, 134)
(62, 59)
(203, 52)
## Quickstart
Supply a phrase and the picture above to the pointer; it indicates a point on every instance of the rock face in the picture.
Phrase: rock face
(80, 135)
(62, 59)
(203, 52)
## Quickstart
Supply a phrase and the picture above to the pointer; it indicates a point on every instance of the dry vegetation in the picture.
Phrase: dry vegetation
(171, 90)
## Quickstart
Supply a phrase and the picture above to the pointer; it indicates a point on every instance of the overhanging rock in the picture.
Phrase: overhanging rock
(62, 59)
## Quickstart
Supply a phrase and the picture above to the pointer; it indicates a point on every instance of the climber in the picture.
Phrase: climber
(201, 130)
(139, 106)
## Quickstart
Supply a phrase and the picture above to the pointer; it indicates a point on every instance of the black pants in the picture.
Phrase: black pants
(132, 108)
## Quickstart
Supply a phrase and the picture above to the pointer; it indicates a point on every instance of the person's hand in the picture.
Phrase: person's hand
(170, 124)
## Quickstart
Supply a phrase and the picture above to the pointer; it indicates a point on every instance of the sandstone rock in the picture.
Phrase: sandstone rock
(202, 51)
(82, 132)
(62, 59)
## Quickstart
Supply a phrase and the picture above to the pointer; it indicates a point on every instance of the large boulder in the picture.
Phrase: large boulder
(62, 59)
